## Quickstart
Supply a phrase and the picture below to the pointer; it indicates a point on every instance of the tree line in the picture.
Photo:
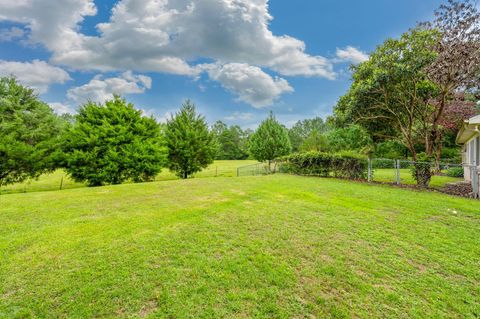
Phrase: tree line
(112, 142)
(407, 101)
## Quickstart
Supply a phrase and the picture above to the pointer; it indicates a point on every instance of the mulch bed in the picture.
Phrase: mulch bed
(463, 189)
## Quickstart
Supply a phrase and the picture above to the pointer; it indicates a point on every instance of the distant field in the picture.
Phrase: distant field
(275, 246)
(59, 178)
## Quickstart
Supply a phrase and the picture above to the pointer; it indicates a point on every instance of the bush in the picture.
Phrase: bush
(422, 170)
(344, 165)
(455, 172)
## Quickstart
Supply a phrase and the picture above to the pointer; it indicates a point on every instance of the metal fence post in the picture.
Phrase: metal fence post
(369, 170)
(397, 171)
(61, 183)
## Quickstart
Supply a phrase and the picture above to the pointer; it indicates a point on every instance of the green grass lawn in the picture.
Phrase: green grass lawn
(270, 247)
(388, 176)
(57, 179)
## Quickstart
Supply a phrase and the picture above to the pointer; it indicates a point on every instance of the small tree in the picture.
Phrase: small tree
(191, 147)
(111, 143)
(29, 134)
(270, 141)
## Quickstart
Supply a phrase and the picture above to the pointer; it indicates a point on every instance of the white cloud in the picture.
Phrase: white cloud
(61, 108)
(351, 54)
(11, 34)
(249, 83)
(52, 23)
(173, 33)
(36, 74)
(100, 89)
(243, 116)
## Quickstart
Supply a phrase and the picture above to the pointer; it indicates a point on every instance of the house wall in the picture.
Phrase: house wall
(471, 157)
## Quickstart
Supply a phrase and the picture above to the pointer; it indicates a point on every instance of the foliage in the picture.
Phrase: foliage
(315, 142)
(390, 149)
(391, 91)
(455, 70)
(462, 107)
(422, 170)
(344, 165)
(191, 147)
(29, 134)
(112, 143)
(269, 141)
(308, 129)
(455, 171)
(350, 138)
(232, 141)
(452, 154)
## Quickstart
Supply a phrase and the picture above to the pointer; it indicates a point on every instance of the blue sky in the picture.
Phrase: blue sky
(237, 60)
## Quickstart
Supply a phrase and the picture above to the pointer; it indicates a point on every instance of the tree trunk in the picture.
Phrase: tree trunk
(438, 155)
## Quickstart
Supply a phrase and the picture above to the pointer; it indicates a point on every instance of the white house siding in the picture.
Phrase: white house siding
(471, 155)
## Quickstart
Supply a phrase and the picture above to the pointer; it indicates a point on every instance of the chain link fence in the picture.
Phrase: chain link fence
(257, 169)
(457, 179)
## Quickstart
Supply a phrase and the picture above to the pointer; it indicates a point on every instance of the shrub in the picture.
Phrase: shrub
(422, 170)
(455, 171)
(344, 165)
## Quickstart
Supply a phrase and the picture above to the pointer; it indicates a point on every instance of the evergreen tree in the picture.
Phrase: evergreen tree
(231, 141)
(270, 141)
(112, 143)
(191, 147)
(29, 134)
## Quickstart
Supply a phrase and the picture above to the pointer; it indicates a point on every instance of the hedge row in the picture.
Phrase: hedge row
(343, 165)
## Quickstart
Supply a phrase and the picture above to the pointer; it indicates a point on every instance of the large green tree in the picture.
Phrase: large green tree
(111, 143)
(391, 91)
(308, 129)
(270, 141)
(29, 133)
(456, 69)
(350, 138)
(191, 146)
(231, 141)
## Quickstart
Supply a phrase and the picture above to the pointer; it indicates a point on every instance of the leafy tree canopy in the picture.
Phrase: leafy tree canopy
(191, 147)
(29, 133)
(232, 141)
(270, 140)
(111, 143)
(350, 138)
(305, 129)
(391, 91)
